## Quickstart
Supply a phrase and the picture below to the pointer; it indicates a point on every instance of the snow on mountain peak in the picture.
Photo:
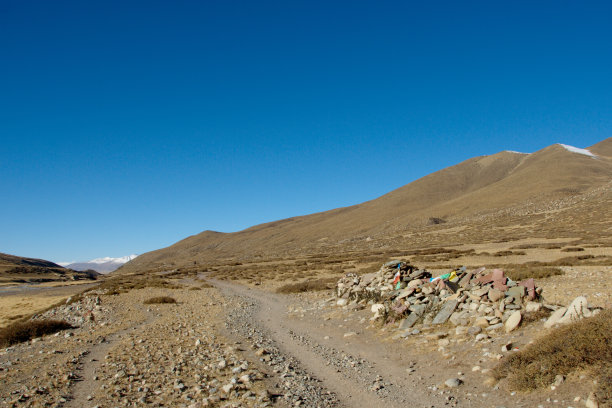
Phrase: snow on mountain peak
(107, 259)
(577, 150)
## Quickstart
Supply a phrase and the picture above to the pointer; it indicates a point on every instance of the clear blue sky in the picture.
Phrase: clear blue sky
(126, 126)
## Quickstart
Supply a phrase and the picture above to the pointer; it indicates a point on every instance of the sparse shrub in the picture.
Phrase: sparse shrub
(572, 249)
(519, 272)
(435, 221)
(24, 331)
(159, 299)
(584, 344)
(308, 286)
(195, 288)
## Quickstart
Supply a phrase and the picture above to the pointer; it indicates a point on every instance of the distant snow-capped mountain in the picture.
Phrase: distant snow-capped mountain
(102, 265)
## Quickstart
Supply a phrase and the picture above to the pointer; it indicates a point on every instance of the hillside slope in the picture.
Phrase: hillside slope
(506, 187)
(16, 269)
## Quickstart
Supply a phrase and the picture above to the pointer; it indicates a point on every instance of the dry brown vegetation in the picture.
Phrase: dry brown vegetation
(519, 272)
(159, 300)
(124, 283)
(24, 331)
(583, 345)
(308, 286)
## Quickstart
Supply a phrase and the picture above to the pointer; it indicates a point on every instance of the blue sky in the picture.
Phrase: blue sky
(127, 126)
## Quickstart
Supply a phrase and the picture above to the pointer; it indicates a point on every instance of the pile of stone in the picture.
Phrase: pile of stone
(474, 301)
(83, 311)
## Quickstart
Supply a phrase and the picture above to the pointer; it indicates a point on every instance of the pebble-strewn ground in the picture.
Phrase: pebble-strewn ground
(233, 346)
(133, 354)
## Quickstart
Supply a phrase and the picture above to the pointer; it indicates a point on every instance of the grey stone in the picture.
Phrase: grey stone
(495, 327)
(447, 309)
(409, 321)
(453, 382)
(516, 293)
(418, 309)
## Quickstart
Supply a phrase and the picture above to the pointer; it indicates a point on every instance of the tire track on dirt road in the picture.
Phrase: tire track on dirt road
(360, 374)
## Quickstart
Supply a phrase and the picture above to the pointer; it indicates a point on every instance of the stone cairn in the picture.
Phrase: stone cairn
(474, 301)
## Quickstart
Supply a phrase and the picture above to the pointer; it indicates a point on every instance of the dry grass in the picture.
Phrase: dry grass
(519, 272)
(123, 284)
(308, 286)
(572, 249)
(159, 299)
(24, 331)
(586, 344)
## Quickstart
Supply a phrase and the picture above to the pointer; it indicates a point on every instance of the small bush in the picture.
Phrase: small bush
(573, 249)
(308, 286)
(159, 299)
(584, 344)
(24, 331)
(435, 221)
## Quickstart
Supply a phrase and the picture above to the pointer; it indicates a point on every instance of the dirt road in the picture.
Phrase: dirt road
(360, 370)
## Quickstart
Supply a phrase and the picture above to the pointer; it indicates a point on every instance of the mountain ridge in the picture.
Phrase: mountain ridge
(477, 186)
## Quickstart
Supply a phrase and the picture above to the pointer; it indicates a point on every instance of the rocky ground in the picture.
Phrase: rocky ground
(233, 346)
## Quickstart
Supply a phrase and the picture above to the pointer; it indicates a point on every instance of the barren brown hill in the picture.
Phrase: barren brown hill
(554, 191)
(16, 269)
(603, 148)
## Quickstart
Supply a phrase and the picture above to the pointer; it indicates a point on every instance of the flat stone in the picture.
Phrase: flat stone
(474, 330)
(418, 309)
(405, 293)
(409, 321)
(513, 321)
(494, 294)
(342, 302)
(495, 327)
(517, 293)
(447, 309)
(555, 317)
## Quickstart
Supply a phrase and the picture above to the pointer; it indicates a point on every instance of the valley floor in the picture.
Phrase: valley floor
(236, 346)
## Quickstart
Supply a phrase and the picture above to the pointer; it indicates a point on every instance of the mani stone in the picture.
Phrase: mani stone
(494, 294)
(578, 309)
(513, 321)
(409, 321)
(516, 293)
(555, 317)
(446, 311)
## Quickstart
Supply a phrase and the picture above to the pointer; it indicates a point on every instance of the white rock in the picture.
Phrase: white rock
(513, 321)
(533, 306)
(554, 317)
(578, 309)
(453, 382)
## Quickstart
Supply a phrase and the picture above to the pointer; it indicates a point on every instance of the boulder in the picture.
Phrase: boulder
(578, 309)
